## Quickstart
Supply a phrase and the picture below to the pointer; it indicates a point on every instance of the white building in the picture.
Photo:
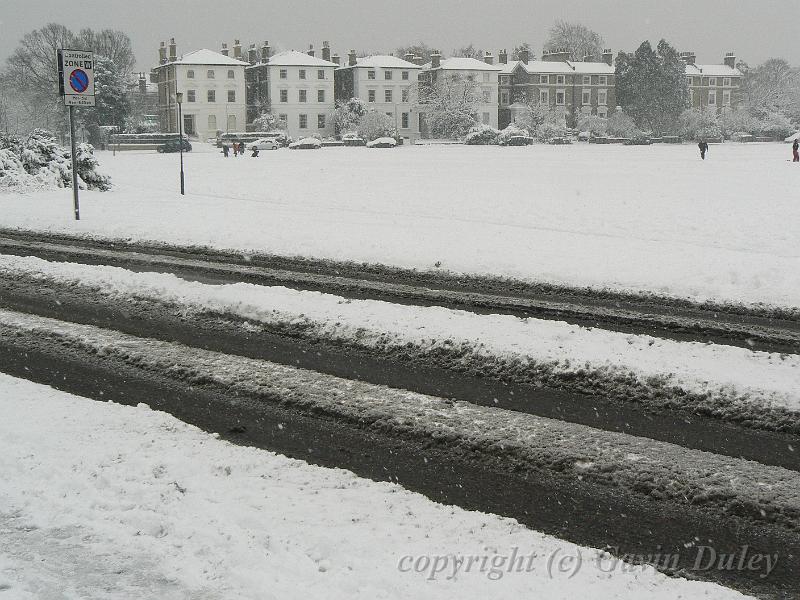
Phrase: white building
(296, 87)
(386, 84)
(213, 88)
(483, 72)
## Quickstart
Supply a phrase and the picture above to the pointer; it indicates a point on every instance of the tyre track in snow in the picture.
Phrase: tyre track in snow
(771, 330)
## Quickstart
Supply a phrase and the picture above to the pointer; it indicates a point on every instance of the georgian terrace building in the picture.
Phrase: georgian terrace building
(713, 87)
(213, 88)
(581, 88)
(386, 84)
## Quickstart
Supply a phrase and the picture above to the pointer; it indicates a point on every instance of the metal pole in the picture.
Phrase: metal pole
(75, 201)
(180, 144)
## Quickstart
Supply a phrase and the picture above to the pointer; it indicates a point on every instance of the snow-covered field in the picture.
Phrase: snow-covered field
(632, 218)
(105, 501)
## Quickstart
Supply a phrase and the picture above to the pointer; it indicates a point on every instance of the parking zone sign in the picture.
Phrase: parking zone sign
(76, 77)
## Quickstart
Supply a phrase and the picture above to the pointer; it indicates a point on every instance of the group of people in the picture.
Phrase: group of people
(238, 149)
(703, 145)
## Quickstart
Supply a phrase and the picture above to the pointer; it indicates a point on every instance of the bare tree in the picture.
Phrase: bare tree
(450, 105)
(420, 49)
(579, 40)
(770, 87)
(469, 51)
(113, 45)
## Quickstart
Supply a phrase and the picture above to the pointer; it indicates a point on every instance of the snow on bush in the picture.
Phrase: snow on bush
(549, 130)
(593, 124)
(694, 124)
(621, 125)
(512, 130)
(374, 125)
(481, 135)
(40, 161)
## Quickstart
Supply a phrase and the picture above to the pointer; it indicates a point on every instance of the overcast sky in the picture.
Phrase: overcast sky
(754, 29)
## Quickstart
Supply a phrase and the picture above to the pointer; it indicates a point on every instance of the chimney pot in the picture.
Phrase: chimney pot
(409, 57)
(173, 50)
(252, 54)
(436, 60)
(336, 59)
(265, 52)
(608, 56)
(237, 50)
(326, 51)
(352, 58)
(162, 54)
(730, 60)
(488, 58)
(503, 57)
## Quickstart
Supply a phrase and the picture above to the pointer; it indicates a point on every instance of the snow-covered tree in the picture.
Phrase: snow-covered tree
(593, 124)
(87, 166)
(695, 124)
(579, 40)
(374, 125)
(266, 121)
(469, 51)
(776, 124)
(481, 135)
(512, 130)
(621, 125)
(771, 87)
(536, 114)
(739, 121)
(651, 86)
(450, 105)
(112, 105)
(348, 115)
(521, 47)
(420, 49)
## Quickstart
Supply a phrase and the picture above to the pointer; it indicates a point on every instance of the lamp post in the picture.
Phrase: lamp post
(179, 100)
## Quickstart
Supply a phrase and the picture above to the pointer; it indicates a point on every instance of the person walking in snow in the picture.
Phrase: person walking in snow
(796, 151)
(225, 150)
(703, 149)
(255, 152)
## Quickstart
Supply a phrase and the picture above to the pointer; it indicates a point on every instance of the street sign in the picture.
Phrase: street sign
(76, 77)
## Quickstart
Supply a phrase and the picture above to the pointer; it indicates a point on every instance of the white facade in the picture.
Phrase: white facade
(386, 84)
(301, 93)
(485, 75)
(213, 88)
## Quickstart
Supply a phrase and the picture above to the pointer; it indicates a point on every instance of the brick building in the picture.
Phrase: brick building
(713, 87)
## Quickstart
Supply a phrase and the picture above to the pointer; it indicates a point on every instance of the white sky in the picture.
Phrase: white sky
(754, 29)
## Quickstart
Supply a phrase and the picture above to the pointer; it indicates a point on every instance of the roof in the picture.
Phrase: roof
(457, 63)
(205, 57)
(535, 67)
(382, 61)
(713, 70)
(595, 68)
(293, 58)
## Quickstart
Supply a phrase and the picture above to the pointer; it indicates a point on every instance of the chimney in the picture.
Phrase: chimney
(162, 54)
(730, 59)
(142, 84)
(688, 57)
(409, 57)
(488, 58)
(237, 50)
(173, 50)
(311, 50)
(418, 60)
(524, 56)
(436, 60)
(224, 50)
(351, 58)
(503, 56)
(252, 54)
(265, 51)
(557, 55)
(336, 58)
(608, 57)
(326, 51)
(588, 58)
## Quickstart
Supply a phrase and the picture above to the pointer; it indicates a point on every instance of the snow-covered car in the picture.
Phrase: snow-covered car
(382, 142)
(306, 144)
(518, 140)
(265, 144)
(174, 146)
(353, 139)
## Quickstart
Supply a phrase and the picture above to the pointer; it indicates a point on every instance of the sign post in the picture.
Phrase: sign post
(76, 85)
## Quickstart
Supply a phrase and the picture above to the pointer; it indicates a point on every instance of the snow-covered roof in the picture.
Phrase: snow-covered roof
(713, 70)
(206, 57)
(594, 68)
(457, 63)
(382, 61)
(293, 58)
(535, 67)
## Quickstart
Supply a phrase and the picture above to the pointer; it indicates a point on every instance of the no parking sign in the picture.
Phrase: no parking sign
(76, 77)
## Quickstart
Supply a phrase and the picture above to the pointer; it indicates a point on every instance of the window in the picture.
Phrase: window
(211, 95)
(544, 96)
(302, 95)
(320, 95)
(320, 121)
(387, 95)
(587, 80)
(404, 95)
(712, 98)
(504, 98)
(212, 122)
(302, 73)
(559, 80)
(602, 113)
(487, 78)
(303, 121)
(712, 81)
(726, 98)
(387, 75)
(189, 74)
(231, 122)
(231, 95)
(586, 97)
(689, 80)
(560, 97)
(283, 118)
(602, 97)
(726, 82)
(404, 75)
(191, 96)
(603, 79)
(371, 96)
(370, 74)
(487, 96)
(284, 95)
(691, 97)
(487, 118)
(544, 79)
(388, 114)
(404, 120)
(210, 74)
(231, 74)
(284, 74)
(320, 73)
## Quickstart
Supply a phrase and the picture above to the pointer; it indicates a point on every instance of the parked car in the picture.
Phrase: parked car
(382, 142)
(174, 146)
(560, 141)
(518, 140)
(265, 144)
(306, 144)
(353, 139)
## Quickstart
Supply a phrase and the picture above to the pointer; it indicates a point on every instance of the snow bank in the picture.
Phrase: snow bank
(100, 493)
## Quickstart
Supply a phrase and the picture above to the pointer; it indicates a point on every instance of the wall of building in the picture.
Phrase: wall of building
(226, 111)
(727, 92)
(290, 105)
(400, 106)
